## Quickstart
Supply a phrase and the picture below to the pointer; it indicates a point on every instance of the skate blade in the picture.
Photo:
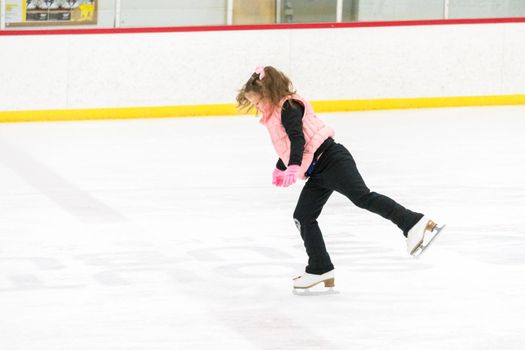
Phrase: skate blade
(312, 293)
(423, 246)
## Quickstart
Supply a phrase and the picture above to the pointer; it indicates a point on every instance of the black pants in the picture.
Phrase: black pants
(337, 171)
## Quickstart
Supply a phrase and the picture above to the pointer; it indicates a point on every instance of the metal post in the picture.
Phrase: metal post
(229, 12)
(2, 14)
(339, 11)
(117, 14)
(278, 5)
(446, 4)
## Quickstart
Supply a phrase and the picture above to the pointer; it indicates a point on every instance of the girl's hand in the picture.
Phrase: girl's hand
(290, 175)
(277, 177)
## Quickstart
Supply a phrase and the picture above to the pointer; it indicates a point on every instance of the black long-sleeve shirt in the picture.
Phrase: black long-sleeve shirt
(292, 120)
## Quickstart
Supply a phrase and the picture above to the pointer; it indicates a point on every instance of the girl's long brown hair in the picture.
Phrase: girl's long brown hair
(273, 87)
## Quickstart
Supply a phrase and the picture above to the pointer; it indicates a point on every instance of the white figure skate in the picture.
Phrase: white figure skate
(422, 235)
(302, 285)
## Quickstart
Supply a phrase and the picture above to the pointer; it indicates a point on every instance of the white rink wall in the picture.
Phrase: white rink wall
(50, 72)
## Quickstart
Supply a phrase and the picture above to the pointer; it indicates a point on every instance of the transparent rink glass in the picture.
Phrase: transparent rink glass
(486, 9)
(168, 13)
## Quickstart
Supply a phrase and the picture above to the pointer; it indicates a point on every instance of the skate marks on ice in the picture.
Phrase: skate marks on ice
(79, 203)
(118, 266)
(32, 274)
(250, 295)
(350, 252)
(123, 268)
(315, 291)
(216, 289)
(269, 328)
(234, 296)
(492, 244)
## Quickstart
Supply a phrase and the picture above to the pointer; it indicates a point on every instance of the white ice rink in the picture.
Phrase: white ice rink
(167, 234)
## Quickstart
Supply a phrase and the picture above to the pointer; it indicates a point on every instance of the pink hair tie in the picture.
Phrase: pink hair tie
(260, 70)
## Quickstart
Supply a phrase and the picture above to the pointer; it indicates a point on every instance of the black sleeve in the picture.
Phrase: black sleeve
(292, 119)
(280, 165)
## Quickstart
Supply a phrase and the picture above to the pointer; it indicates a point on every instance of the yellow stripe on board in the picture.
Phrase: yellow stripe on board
(230, 109)
(419, 102)
(119, 113)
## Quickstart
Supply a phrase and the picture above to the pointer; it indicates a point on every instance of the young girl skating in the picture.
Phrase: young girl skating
(307, 151)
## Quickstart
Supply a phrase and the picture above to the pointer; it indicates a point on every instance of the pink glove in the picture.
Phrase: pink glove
(277, 177)
(290, 175)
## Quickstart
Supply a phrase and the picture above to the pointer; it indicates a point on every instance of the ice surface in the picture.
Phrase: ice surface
(167, 234)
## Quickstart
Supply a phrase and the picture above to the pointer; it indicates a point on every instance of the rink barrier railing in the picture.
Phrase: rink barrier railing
(231, 110)
(208, 28)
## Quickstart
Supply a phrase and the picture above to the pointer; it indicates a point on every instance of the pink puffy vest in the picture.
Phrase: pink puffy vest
(314, 130)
